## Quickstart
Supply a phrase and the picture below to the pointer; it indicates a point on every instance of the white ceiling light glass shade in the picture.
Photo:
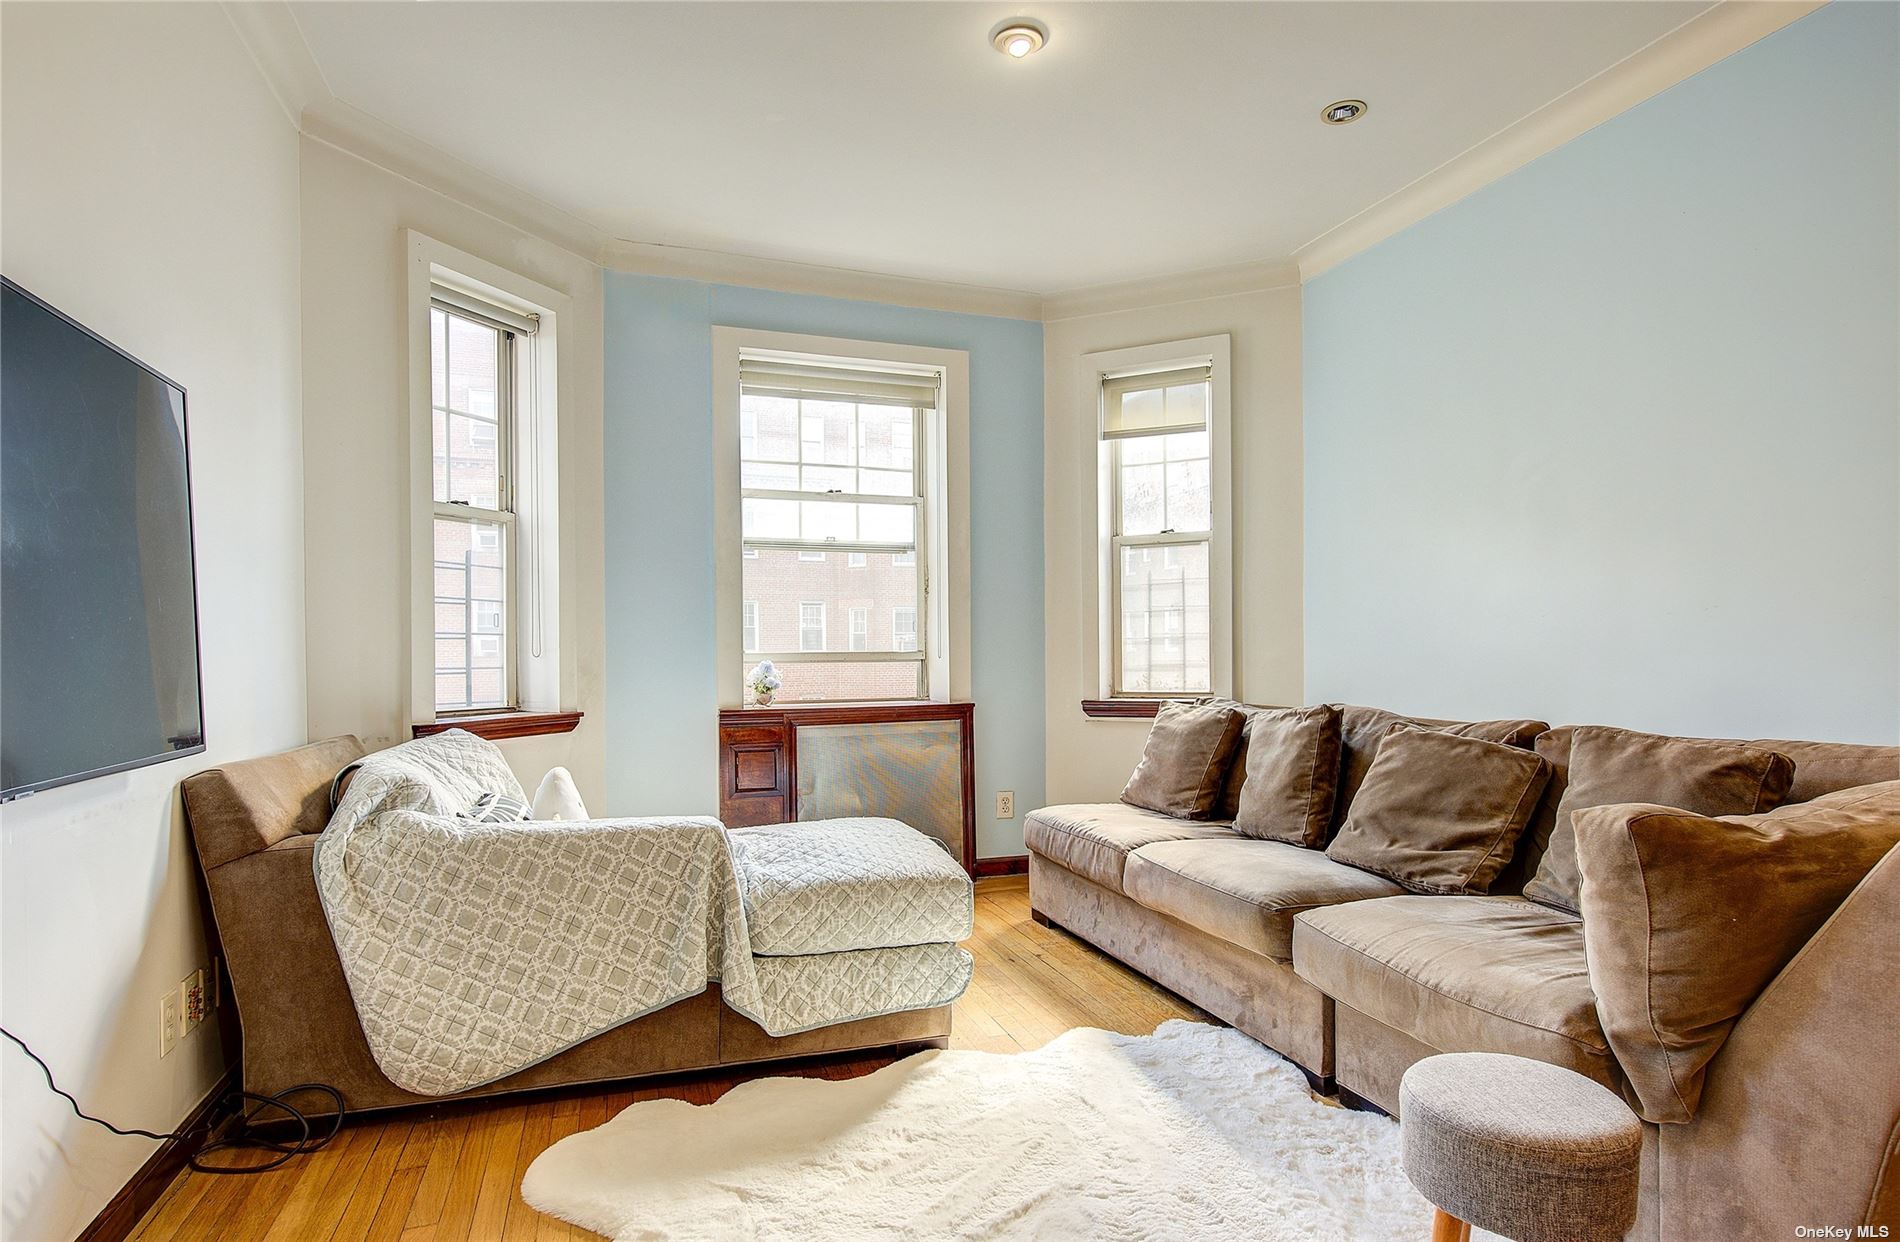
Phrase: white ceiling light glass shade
(1019, 37)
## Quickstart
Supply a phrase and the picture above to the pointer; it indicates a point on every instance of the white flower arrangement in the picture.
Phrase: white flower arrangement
(765, 681)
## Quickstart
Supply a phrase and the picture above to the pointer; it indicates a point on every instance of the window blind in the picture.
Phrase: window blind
(817, 382)
(479, 308)
(1156, 403)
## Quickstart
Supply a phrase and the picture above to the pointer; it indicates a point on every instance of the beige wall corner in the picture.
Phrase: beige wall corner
(356, 452)
(1089, 760)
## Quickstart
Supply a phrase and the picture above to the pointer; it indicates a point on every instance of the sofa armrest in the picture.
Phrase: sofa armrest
(1800, 1113)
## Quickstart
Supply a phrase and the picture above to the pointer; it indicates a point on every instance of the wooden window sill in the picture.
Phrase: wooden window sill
(502, 724)
(1122, 709)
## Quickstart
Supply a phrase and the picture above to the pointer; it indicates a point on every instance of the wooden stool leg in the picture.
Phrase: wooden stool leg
(1448, 1228)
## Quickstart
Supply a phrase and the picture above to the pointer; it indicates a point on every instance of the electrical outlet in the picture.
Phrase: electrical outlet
(193, 1002)
(1006, 805)
(167, 1022)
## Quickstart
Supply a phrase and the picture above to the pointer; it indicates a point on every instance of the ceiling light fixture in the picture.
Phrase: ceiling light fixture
(1344, 112)
(1019, 36)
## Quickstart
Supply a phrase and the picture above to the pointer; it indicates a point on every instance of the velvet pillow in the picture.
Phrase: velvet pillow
(1686, 919)
(1292, 775)
(1610, 766)
(1440, 813)
(1185, 761)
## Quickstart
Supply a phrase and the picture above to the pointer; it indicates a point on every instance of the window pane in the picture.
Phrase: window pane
(771, 475)
(470, 616)
(780, 582)
(828, 432)
(1165, 484)
(1190, 499)
(465, 360)
(829, 479)
(1142, 408)
(774, 429)
(1144, 499)
(1187, 403)
(438, 357)
(846, 683)
(828, 519)
(1164, 619)
(887, 483)
(884, 437)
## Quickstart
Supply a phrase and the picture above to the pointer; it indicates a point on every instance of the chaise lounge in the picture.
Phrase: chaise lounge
(255, 824)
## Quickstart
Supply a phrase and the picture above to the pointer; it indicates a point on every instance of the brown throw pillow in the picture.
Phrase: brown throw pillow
(1610, 766)
(1440, 813)
(1686, 919)
(1292, 761)
(1185, 761)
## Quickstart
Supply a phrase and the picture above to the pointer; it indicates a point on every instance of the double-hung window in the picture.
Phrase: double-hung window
(474, 358)
(1157, 445)
(832, 459)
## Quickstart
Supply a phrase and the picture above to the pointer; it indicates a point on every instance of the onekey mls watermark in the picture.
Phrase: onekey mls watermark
(1841, 1231)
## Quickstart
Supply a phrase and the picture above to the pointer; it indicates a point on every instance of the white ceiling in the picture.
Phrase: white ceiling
(1147, 139)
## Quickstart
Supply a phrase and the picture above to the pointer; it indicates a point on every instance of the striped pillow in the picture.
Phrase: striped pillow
(494, 808)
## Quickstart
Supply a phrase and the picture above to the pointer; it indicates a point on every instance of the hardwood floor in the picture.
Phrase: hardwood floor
(453, 1172)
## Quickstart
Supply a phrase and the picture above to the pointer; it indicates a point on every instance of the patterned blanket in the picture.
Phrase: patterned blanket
(474, 950)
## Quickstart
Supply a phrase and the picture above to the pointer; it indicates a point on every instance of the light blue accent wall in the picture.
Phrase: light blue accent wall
(662, 696)
(1617, 438)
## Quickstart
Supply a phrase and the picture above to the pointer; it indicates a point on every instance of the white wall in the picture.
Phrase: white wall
(1616, 438)
(356, 443)
(150, 191)
(1089, 760)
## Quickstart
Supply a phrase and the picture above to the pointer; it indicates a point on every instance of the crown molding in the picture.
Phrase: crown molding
(1196, 286)
(269, 30)
(786, 276)
(1712, 35)
(351, 130)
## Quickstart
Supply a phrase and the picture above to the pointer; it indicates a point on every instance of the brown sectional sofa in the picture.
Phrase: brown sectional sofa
(1354, 979)
(254, 825)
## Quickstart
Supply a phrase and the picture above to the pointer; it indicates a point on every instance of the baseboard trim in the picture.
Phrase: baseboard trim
(122, 1214)
(1010, 864)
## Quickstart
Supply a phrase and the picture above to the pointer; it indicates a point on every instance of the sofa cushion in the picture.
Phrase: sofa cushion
(1184, 763)
(1609, 766)
(1819, 768)
(1688, 918)
(1440, 813)
(1246, 891)
(1094, 839)
(1462, 974)
(1361, 729)
(1292, 775)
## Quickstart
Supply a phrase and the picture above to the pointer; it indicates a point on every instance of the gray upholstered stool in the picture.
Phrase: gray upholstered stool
(1524, 1149)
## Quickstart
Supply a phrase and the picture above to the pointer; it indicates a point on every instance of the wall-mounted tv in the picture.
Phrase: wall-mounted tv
(98, 595)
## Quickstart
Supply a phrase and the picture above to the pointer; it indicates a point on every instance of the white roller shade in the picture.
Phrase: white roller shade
(1157, 403)
(816, 382)
(480, 308)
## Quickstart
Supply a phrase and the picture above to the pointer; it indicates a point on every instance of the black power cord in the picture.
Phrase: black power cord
(244, 1136)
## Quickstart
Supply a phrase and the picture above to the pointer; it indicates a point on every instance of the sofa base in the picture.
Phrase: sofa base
(1257, 995)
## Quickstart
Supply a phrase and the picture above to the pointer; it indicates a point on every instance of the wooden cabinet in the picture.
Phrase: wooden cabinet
(759, 776)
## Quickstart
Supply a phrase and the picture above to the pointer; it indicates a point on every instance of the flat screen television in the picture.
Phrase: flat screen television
(98, 595)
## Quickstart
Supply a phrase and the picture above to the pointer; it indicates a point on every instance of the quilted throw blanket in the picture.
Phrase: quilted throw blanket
(474, 950)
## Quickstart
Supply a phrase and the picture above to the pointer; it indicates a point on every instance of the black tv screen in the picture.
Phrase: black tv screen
(98, 600)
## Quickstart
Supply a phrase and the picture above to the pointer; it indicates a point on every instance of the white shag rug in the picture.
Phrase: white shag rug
(1194, 1132)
